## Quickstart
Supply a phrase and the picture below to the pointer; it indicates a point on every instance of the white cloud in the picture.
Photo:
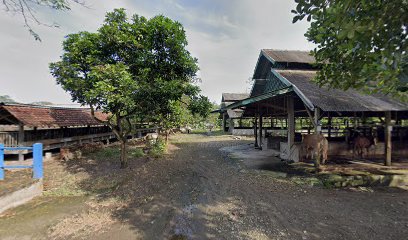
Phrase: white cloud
(226, 37)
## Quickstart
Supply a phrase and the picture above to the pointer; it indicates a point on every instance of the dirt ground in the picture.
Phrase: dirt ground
(195, 192)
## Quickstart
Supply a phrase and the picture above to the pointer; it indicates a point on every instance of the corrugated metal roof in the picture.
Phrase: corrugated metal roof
(233, 97)
(261, 97)
(339, 100)
(39, 116)
(289, 56)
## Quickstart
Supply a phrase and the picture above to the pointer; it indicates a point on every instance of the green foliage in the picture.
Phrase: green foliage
(158, 148)
(106, 153)
(6, 99)
(132, 69)
(201, 106)
(360, 43)
(136, 152)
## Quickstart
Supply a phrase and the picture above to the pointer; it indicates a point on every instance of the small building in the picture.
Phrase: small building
(55, 127)
(232, 118)
(285, 98)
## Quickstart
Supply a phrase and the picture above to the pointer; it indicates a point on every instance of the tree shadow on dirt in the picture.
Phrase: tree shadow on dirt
(195, 192)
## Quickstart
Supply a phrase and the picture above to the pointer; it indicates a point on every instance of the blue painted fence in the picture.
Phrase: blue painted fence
(37, 160)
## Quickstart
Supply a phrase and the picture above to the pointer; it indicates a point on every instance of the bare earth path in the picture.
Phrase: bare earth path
(196, 193)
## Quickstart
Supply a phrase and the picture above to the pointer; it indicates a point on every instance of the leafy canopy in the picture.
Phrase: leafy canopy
(131, 67)
(360, 43)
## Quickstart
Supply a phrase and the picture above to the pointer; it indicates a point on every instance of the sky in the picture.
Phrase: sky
(225, 35)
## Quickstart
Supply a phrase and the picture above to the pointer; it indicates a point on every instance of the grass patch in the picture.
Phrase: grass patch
(114, 153)
(68, 188)
(214, 132)
(136, 152)
(107, 153)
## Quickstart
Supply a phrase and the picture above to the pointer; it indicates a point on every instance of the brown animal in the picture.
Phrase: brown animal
(314, 144)
(363, 142)
(69, 153)
(90, 147)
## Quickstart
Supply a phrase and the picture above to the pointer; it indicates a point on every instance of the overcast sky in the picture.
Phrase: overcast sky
(225, 35)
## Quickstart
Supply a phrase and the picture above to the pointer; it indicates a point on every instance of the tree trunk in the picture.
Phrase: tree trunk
(123, 158)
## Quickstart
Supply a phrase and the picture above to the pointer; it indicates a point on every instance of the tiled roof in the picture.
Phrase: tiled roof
(40, 116)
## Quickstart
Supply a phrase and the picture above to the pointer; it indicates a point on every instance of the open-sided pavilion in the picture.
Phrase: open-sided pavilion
(286, 98)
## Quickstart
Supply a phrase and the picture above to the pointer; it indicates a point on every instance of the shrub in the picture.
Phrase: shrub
(136, 152)
(158, 148)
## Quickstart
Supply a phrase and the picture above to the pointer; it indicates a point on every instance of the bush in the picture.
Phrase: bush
(158, 148)
(136, 152)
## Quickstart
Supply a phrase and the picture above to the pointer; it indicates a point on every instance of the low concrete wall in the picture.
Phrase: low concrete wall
(291, 154)
(242, 132)
(343, 149)
(21, 196)
(273, 142)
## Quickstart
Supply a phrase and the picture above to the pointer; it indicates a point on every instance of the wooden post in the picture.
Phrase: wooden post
(330, 126)
(317, 130)
(20, 141)
(260, 131)
(256, 131)
(224, 122)
(1, 161)
(291, 123)
(231, 125)
(316, 120)
(355, 120)
(387, 140)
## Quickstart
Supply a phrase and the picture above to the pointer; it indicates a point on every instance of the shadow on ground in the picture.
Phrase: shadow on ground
(196, 192)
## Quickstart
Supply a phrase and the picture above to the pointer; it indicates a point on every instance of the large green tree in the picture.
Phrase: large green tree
(360, 43)
(170, 72)
(133, 68)
(103, 85)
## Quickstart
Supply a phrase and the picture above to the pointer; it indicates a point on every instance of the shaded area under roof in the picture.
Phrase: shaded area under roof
(40, 116)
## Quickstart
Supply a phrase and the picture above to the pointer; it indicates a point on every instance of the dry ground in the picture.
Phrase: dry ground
(197, 193)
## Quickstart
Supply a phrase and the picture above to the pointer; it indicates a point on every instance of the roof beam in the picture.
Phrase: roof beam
(258, 98)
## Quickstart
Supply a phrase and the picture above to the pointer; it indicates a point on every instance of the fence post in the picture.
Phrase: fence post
(1, 161)
(38, 161)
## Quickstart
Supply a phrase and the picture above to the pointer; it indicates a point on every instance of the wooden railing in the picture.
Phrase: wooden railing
(50, 137)
(9, 139)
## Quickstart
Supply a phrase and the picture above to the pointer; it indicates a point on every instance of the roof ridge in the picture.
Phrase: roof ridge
(295, 70)
(285, 50)
(40, 106)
